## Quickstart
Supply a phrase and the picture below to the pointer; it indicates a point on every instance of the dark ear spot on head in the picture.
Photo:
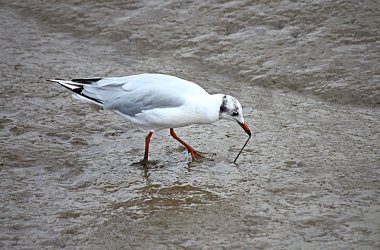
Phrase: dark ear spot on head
(223, 107)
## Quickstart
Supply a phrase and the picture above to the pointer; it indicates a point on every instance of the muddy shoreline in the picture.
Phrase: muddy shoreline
(309, 84)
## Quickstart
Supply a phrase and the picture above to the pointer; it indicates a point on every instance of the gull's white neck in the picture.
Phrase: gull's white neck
(207, 108)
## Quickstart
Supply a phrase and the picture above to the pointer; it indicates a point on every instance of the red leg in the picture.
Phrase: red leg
(147, 140)
(192, 151)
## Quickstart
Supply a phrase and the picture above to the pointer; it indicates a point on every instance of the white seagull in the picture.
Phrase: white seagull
(157, 101)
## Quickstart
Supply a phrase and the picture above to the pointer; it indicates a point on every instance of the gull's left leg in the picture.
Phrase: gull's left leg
(194, 154)
(147, 141)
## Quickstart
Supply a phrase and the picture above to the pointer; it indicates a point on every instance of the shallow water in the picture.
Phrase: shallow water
(307, 75)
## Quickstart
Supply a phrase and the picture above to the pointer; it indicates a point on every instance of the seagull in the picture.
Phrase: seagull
(154, 102)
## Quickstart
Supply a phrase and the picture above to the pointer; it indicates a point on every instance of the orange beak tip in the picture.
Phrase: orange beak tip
(246, 128)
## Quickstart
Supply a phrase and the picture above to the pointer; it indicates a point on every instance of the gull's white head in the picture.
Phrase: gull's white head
(231, 109)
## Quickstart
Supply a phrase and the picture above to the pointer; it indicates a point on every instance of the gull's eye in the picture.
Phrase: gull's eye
(235, 113)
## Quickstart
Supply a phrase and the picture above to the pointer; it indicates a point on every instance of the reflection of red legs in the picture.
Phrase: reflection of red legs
(147, 140)
(193, 152)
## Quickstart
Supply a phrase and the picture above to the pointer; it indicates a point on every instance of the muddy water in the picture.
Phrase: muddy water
(306, 73)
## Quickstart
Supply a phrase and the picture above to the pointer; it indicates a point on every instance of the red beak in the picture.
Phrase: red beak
(245, 127)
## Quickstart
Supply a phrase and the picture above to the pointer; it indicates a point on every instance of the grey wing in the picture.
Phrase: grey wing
(144, 98)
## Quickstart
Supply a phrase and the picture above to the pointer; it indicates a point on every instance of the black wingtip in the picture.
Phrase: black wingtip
(77, 90)
(77, 86)
(86, 80)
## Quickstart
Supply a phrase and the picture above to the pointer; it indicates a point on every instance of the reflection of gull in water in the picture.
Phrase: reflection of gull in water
(156, 101)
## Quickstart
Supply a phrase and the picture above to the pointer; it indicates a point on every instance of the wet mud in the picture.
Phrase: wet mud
(306, 73)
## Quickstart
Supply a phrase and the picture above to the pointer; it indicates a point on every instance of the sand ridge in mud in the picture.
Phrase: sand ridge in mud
(308, 179)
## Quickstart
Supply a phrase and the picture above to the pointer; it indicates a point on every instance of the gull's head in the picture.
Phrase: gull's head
(231, 109)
